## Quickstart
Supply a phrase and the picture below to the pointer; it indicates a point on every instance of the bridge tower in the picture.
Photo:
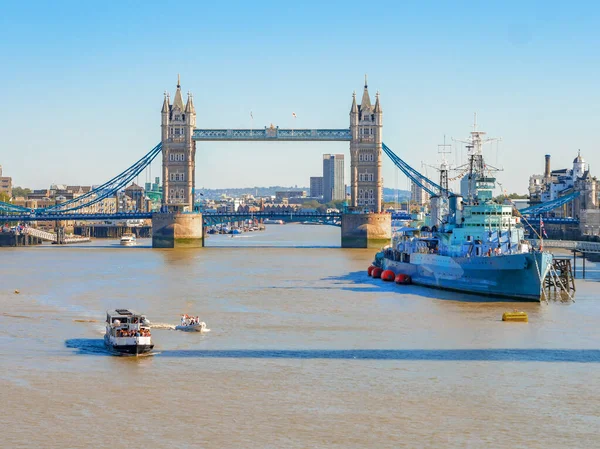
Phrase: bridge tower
(365, 226)
(176, 225)
(178, 151)
(366, 126)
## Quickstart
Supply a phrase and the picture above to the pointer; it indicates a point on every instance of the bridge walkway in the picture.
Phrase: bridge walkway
(51, 237)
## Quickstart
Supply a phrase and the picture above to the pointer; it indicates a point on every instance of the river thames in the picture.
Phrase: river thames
(304, 351)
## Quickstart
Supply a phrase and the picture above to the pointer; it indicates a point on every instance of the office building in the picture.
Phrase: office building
(316, 186)
(334, 188)
(281, 195)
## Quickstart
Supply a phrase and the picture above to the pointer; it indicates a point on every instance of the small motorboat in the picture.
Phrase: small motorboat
(196, 327)
(128, 240)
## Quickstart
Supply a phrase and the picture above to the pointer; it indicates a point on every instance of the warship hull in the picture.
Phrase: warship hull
(515, 276)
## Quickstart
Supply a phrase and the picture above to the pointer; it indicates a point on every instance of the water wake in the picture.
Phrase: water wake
(162, 326)
(15, 316)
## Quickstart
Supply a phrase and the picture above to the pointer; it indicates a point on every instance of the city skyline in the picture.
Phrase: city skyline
(526, 70)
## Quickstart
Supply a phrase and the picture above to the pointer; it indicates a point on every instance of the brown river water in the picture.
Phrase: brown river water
(305, 351)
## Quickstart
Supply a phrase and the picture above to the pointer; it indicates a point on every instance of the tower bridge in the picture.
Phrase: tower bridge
(179, 139)
(363, 225)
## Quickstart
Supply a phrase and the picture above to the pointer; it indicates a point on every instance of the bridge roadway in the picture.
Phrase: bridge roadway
(535, 221)
(213, 217)
(273, 134)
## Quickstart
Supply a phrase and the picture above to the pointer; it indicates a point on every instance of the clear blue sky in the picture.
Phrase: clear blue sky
(82, 82)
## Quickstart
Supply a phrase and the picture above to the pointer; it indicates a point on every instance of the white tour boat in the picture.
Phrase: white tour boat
(127, 332)
(128, 240)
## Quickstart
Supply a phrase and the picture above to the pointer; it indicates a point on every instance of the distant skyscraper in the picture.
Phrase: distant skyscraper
(418, 195)
(333, 177)
(316, 186)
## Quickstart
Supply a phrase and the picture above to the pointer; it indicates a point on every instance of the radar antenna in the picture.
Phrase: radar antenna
(444, 167)
(475, 167)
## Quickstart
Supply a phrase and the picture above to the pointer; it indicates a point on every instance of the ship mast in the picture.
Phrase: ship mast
(444, 166)
(474, 144)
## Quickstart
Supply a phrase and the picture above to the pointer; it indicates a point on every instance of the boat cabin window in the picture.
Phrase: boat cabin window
(121, 319)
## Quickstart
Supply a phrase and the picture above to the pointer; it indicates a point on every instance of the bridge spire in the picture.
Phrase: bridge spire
(165, 107)
(178, 101)
(366, 100)
(189, 106)
(354, 108)
(377, 104)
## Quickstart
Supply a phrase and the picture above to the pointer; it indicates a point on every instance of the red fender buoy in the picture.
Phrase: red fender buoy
(370, 270)
(376, 273)
(403, 279)
(388, 276)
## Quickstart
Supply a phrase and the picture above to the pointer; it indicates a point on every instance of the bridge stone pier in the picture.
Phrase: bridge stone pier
(366, 230)
(177, 230)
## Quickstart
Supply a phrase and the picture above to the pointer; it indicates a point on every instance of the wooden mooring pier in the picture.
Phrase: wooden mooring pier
(560, 279)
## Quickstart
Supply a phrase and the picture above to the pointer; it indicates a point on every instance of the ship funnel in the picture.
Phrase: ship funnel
(456, 209)
(547, 169)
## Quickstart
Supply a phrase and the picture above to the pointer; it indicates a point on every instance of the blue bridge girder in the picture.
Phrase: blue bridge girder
(214, 219)
(274, 134)
(534, 221)
(75, 216)
(208, 218)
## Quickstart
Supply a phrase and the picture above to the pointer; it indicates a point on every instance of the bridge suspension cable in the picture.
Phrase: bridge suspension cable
(109, 188)
(12, 209)
(422, 181)
(549, 205)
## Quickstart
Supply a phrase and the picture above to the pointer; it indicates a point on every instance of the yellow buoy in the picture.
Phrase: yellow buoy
(17, 292)
(515, 315)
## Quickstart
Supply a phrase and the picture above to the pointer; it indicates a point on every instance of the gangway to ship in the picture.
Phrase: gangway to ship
(51, 237)
(42, 235)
